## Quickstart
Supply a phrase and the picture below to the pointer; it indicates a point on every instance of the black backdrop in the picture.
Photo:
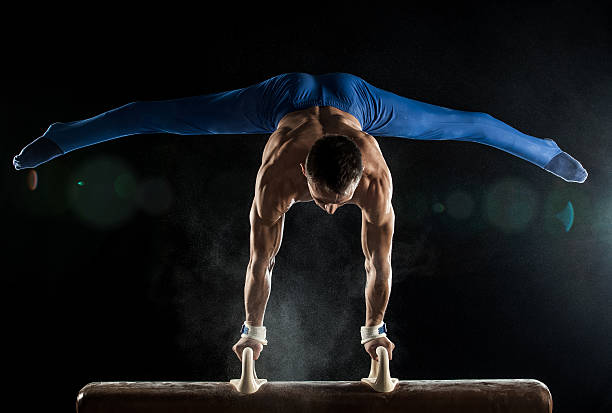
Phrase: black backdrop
(144, 281)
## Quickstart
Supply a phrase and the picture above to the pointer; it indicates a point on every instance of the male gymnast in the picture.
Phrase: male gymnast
(321, 149)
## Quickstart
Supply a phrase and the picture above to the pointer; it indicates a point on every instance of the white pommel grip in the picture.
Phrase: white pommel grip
(248, 382)
(380, 375)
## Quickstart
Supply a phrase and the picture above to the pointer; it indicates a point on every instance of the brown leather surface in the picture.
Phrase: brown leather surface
(521, 395)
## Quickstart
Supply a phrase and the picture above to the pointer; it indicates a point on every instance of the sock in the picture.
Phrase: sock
(566, 167)
(36, 153)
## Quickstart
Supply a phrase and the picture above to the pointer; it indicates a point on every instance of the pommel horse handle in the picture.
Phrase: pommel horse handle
(380, 376)
(248, 382)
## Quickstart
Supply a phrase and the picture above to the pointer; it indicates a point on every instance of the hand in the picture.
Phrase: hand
(370, 347)
(247, 342)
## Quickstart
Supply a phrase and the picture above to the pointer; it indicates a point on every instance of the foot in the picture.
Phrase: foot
(566, 167)
(36, 153)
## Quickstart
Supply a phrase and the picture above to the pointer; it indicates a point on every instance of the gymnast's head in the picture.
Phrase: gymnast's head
(333, 170)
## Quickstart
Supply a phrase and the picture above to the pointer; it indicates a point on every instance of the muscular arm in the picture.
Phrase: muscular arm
(267, 221)
(377, 225)
(267, 218)
(265, 242)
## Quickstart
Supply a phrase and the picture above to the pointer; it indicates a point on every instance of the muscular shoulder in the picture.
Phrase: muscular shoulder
(370, 150)
(273, 193)
(375, 200)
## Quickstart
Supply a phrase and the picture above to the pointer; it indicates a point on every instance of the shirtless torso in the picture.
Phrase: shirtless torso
(280, 182)
(280, 174)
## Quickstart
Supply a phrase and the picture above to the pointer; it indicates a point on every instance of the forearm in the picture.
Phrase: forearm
(377, 292)
(256, 293)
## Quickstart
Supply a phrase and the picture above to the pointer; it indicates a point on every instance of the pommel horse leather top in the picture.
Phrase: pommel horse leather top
(474, 396)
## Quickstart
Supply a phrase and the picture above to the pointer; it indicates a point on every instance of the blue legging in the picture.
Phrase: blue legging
(258, 109)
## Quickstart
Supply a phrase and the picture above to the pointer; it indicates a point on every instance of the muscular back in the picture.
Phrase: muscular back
(280, 182)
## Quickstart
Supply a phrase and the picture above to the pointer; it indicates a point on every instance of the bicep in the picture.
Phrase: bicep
(377, 224)
(376, 239)
(265, 235)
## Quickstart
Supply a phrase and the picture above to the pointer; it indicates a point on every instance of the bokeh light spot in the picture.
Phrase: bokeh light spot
(32, 180)
(125, 185)
(40, 195)
(510, 205)
(564, 205)
(566, 216)
(96, 203)
(438, 208)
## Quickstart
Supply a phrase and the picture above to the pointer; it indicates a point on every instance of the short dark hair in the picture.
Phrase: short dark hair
(335, 162)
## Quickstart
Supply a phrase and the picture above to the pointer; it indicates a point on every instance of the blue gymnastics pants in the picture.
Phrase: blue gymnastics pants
(258, 108)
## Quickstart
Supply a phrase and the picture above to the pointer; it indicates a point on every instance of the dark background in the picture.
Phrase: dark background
(149, 285)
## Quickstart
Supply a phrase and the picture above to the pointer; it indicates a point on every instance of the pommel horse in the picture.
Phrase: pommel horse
(376, 393)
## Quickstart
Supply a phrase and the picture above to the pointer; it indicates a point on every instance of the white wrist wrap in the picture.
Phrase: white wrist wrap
(255, 333)
(372, 332)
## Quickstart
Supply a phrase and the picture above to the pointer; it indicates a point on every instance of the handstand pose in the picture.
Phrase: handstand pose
(321, 149)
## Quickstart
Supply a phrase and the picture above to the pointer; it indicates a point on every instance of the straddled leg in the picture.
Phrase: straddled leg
(394, 115)
(252, 109)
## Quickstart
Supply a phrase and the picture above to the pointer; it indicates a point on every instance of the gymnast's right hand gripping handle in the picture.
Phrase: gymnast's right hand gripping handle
(380, 376)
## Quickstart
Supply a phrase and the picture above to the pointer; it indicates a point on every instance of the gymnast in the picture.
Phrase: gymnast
(321, 149)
